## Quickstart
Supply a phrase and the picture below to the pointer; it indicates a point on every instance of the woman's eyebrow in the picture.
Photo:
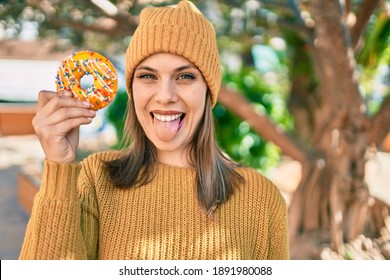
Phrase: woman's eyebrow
(145, 68)
(181, 68)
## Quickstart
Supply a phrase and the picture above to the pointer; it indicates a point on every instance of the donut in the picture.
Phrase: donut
(105, 79)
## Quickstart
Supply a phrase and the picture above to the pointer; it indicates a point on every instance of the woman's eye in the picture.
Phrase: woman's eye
(146, 76)
(186, 77)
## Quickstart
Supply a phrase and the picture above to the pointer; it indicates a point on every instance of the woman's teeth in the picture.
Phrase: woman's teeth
(166, 118)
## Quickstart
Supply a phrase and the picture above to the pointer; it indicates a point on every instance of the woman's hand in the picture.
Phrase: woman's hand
(57, 124)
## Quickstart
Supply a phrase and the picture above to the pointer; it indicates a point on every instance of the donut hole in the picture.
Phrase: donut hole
(86, 82)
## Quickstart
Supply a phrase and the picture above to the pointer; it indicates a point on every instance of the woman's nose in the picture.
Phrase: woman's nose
(165, 93)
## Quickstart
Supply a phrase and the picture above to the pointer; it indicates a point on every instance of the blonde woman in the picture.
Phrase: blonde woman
(172, 194)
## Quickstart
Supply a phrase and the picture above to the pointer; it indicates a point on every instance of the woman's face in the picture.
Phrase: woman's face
(169, 96)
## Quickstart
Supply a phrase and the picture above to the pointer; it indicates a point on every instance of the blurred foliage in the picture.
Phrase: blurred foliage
(374, 62)
(235, 135)
(116, 114)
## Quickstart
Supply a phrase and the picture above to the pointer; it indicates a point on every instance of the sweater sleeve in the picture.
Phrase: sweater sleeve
(63, 222)
(278, 228)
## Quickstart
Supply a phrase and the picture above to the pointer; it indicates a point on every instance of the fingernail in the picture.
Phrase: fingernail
(87, 103)
(92, 112)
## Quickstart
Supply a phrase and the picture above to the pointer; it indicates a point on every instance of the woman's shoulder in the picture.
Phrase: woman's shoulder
(97, 162)
(258, 187)
(103, 156)
(251, 175)
(255, 181)
(94, 166)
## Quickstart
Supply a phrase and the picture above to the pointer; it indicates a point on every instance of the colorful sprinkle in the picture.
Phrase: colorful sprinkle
(83, 63)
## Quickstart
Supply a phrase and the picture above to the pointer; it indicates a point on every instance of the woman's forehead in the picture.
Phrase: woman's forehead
(164, 61)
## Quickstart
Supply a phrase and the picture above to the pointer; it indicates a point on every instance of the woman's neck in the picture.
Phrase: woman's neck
(174, 159)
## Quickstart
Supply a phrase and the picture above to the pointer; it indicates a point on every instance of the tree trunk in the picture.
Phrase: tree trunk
(332, 204)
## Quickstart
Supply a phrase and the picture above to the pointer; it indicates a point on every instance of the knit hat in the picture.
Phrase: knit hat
(182, 30)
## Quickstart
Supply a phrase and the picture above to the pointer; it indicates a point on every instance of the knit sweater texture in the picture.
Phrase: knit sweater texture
(79, 214)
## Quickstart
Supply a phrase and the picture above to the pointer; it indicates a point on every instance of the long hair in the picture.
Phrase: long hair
(216, 175)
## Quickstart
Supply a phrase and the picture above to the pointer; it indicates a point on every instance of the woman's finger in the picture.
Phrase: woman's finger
(68, 113)
(59, 102)
(47, 132)
(44, 97)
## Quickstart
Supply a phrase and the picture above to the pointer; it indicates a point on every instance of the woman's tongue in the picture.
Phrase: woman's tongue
(166, 131)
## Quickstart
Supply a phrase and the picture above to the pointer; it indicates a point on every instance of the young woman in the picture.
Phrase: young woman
(172, 194)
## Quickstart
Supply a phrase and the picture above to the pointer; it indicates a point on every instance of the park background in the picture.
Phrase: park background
(305, 100)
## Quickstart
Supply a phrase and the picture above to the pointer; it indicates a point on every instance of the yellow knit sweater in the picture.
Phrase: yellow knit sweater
(79, 214)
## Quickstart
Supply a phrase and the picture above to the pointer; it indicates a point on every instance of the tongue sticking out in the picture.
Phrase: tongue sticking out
(166, 131)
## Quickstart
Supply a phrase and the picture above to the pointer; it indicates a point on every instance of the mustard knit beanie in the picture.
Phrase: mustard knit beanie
(182, 30)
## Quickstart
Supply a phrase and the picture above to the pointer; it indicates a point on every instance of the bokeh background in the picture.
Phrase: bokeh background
(305, 100)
